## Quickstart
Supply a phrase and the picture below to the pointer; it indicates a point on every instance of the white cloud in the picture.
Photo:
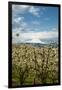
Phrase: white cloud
(34, 11)
(54, 29)
(20, 29)
(20, 8)
(18, 23)
(18, 19)
(25, 8)
(34, 36)
(40, 35)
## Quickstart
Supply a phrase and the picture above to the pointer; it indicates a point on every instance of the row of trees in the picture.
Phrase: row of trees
(42, 63)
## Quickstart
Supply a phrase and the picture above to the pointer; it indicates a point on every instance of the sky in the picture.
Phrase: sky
(34, 24)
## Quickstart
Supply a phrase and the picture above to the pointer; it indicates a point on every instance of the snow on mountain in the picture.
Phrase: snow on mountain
(35, 41)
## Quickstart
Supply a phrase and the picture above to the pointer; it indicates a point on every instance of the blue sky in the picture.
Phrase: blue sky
(36, 24)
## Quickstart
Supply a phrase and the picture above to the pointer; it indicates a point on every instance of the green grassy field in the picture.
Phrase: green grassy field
(34, 65)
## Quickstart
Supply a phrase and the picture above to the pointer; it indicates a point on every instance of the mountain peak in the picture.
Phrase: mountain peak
(35, 41)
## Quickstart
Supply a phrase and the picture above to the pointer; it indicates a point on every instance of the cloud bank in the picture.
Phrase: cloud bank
(30, 36)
